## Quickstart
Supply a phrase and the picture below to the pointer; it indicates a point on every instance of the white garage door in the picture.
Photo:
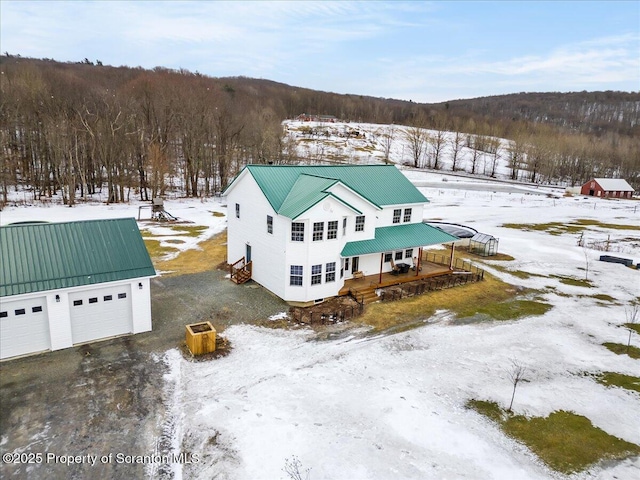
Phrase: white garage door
(24, 327)
(100, 313)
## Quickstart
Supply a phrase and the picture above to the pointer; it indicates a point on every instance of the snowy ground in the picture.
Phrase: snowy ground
(196, 212)
(366, 143)
(392, 407)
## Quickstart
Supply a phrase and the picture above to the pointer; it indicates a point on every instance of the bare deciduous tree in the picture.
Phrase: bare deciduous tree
(416, 136)
(437, 142)
(587, 263)
(516, 374)
(387, 140)
(632, 314)
(293, 468)
(457, 142)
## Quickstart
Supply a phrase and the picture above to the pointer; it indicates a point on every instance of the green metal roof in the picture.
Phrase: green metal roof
(47, 256)
(304, 194)
(290, 195)
(398, 237)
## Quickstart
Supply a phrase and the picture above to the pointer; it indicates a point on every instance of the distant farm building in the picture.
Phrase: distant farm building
(305, 117)
(607, 188)
(63, 284)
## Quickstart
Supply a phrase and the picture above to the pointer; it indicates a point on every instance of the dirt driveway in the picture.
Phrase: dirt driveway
(96, 410)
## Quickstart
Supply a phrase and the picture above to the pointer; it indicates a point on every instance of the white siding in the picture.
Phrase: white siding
(141, 305)
(109, 315)
(385, 218)
(58, 311)
(23, 330)
(274, 254)
(267, 250)
(310, 253)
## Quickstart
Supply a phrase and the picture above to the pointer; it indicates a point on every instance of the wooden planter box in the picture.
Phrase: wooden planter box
(201, 338)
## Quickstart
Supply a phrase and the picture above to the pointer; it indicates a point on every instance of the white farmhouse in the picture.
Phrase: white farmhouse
(302, 231)
(64, 284)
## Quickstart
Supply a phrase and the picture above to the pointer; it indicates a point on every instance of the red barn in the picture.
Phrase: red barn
(607, 187)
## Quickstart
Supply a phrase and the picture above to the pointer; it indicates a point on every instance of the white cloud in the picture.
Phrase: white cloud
(369, 48)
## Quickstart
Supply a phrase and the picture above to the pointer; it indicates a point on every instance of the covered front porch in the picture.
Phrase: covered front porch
(388, 258)
(430, 265)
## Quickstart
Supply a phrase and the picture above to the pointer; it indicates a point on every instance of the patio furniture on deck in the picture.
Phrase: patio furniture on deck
(403, 267)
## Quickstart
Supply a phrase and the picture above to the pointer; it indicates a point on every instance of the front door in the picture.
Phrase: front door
(355, 263)
(248, 255)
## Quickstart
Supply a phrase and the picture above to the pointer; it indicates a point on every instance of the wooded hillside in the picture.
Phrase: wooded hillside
(75, 128)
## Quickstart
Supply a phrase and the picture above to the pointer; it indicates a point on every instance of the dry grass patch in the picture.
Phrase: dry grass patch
(633, 326)
(612, 226)
(613, 379)
(157, 251)
(516, 273)
(558, 228)
(566, 442)
(460, 300)
(620, 349)
(188, 230)
(209, 255)
(576, 282)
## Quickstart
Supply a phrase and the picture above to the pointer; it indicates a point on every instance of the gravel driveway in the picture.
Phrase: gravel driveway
(93, 410)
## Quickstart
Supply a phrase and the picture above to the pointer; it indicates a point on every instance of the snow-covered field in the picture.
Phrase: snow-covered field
(392, 406)
(366, 143)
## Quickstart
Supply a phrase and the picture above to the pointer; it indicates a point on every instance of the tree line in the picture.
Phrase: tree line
(77, 129)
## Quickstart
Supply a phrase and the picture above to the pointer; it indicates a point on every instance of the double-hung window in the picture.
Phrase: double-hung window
(407, 215)
(360, 223)
(297, 232)
(318, 231)
(330, 272)
(316, 274)
(396, 215)
(269, 224)
(332, 230)
(237, 210)
(295, 278)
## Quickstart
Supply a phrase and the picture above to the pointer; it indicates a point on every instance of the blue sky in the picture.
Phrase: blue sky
(420, 51)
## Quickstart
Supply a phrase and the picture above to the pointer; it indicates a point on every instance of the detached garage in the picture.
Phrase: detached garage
(63, 284)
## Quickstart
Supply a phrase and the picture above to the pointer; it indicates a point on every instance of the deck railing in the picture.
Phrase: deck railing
(459, 264)
(240, 269)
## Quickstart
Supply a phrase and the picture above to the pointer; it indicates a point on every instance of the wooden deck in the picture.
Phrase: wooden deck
(368, 282)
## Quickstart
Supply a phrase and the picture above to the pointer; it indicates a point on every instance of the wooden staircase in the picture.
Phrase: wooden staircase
(365, 295)
(241, 271)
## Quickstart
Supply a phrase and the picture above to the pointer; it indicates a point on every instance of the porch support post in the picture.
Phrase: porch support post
(381, 262)
(419, 260)
(453, 249)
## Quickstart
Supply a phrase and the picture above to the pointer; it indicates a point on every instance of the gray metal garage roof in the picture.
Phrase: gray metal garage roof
(47, 256)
